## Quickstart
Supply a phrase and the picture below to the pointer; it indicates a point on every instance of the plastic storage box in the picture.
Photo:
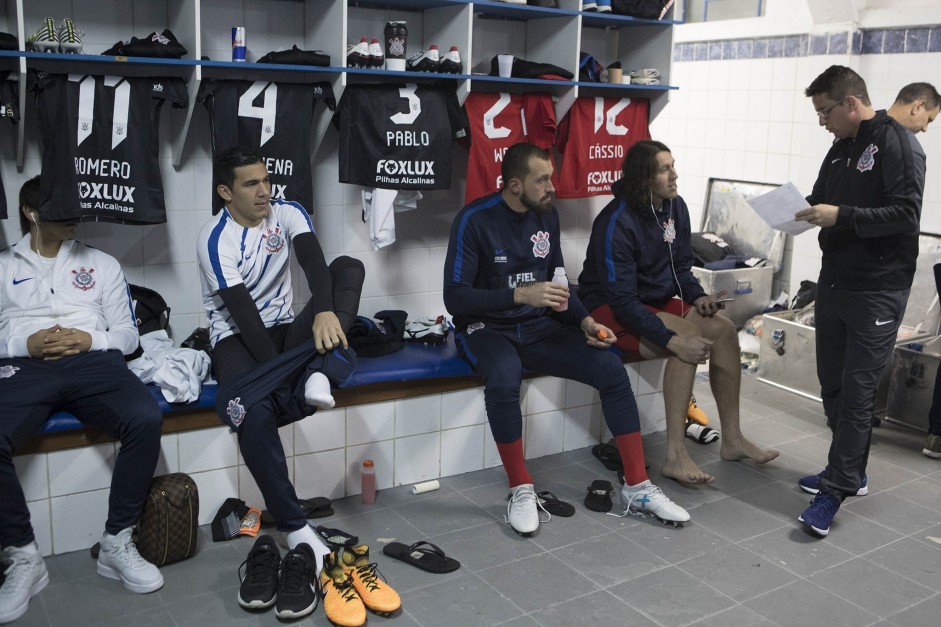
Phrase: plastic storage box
(728, 215)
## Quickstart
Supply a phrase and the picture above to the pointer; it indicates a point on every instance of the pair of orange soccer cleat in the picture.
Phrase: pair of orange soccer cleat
(351, 584)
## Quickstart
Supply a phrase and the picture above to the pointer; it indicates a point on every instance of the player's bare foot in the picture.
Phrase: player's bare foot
(737, 449)
(684, 470)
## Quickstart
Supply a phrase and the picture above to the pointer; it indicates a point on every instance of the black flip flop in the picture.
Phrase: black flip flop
(598, 498)
(608, 455)
(551, 503)
(316, 507)
(336, 538)
(423, 555)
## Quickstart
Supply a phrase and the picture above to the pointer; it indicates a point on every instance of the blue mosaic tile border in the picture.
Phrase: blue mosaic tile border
(873, 41)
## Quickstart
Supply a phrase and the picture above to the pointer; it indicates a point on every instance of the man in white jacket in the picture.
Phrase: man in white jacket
(65, 326)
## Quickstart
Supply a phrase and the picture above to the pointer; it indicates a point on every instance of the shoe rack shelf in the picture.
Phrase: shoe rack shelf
(480, 29)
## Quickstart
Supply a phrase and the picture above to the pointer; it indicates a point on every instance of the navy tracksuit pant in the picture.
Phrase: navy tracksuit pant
(856, 333)
(98, 389)
(500, 352)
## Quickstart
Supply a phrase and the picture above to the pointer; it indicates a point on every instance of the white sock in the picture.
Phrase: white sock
(306, 534)
(317, 391)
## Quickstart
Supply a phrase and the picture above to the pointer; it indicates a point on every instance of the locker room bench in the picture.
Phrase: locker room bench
(416, 370)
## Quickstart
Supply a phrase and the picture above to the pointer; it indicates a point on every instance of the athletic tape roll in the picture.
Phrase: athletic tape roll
(427, 486)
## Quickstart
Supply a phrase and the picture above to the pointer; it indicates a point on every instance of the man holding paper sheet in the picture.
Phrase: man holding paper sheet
(867, 203)
(637, 280)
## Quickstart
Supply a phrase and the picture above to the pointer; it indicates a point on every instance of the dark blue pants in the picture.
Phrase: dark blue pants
(98, 389)
(500, 352)
(855, 335)
(258, 432)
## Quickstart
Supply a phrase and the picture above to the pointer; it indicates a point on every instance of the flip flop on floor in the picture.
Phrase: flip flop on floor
(551, 503)
(316, 507)
(608, 455)
(423, 555)
(598, 498)
(703, 435)
(336, 538)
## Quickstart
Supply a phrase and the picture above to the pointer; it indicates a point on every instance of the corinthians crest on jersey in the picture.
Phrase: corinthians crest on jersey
(83, 279)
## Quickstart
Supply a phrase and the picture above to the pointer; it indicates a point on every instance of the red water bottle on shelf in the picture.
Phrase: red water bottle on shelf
(368, 475)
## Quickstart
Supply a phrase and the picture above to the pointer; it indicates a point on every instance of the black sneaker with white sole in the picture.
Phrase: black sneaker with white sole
(425, 60)
(260, 581)
(297, 583)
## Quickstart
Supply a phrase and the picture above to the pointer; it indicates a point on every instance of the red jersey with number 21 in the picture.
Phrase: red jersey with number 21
(497, 121)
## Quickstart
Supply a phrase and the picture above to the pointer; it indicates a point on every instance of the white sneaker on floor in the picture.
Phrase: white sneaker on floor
(522, 513)
(646, 497)
(118, 559)
(24, 577)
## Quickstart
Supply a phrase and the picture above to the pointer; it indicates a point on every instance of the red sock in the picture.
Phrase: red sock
(631, 449)
(512, 455)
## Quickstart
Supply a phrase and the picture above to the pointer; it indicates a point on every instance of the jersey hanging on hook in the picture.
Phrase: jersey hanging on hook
(100, 145)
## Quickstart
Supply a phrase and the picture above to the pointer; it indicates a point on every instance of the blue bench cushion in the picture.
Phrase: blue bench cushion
(414, 361)
(64, 421)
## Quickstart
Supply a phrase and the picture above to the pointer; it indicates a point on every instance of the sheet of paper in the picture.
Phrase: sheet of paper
(778, 207)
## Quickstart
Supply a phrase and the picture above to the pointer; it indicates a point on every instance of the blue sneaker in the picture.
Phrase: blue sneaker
(819, 515)
(603, 6)
(811, 484)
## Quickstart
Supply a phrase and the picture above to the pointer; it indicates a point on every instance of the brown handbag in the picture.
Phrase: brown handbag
(167, 531)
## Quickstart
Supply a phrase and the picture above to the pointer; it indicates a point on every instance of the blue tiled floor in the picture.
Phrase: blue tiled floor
(742, 560)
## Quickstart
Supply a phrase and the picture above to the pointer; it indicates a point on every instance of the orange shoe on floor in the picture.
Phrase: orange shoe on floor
(377, 595)
(340, 601)
(694, 414)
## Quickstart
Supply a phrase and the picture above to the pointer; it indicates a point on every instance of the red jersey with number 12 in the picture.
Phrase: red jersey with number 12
(497, 121)
(593, 138)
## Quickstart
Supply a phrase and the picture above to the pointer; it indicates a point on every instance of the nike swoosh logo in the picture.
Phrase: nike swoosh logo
(879, 323)
(835, 160)
(18, 281)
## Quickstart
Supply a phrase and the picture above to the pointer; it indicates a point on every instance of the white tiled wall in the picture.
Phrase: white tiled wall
(410, 440)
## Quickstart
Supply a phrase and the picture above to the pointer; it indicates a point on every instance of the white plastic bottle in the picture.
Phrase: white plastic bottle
(560, 278)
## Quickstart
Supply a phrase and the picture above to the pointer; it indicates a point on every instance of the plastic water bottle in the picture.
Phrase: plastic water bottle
(560, 278)
(368, 482)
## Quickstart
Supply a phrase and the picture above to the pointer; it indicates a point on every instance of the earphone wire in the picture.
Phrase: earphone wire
(676, 279)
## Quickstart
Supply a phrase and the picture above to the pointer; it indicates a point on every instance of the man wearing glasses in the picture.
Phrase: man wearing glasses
(867, 203)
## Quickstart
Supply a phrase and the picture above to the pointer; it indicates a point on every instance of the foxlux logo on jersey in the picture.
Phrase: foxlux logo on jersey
(405, 172)
(103, 195)
(601, 181)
